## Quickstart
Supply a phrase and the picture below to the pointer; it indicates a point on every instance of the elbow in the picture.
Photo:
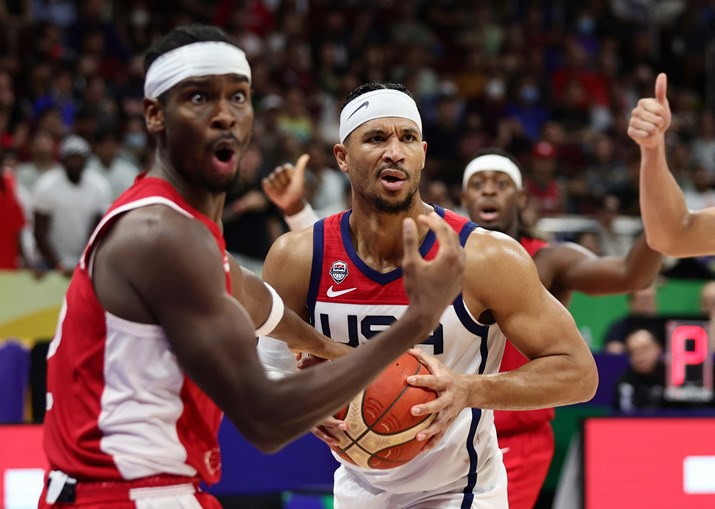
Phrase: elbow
(662, 244)
(588, 382)
(269, 445)
(264, 437)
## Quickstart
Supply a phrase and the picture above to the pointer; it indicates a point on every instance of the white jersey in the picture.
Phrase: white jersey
(350, 302)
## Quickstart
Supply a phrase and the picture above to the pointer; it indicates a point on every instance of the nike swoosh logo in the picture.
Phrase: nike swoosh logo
(338, 293)
(359, 108)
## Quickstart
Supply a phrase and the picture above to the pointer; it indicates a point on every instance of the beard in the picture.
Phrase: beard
(214, 187)
(394, 208)
(197, 179)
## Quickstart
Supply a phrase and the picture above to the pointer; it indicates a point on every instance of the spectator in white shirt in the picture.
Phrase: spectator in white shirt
(68, 203)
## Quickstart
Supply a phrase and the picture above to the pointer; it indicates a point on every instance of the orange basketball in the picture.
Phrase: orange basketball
(381, 430)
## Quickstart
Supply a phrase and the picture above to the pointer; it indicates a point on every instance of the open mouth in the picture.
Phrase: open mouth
(488, 214)
(224, 154)
(392, 180)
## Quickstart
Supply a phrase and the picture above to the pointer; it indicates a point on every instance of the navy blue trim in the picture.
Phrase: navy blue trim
(382, 278)
(484, 350)
(467, 229)
(475, 328)
(468, 499)
(318, 243)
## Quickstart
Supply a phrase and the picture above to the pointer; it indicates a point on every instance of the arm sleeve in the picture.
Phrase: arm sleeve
(303, 219)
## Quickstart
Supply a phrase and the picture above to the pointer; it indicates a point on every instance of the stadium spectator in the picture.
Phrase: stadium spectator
(641, 387)
(68, 203)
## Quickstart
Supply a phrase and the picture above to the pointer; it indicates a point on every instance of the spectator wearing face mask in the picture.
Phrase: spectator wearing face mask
(527, 107)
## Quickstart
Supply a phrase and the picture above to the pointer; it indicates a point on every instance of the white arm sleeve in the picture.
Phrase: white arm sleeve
(277, 359)
(303, 219)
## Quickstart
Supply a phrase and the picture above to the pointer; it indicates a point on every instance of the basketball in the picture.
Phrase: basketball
(381, 430)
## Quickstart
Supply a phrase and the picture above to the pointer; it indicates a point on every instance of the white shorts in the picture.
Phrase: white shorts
(352, 492)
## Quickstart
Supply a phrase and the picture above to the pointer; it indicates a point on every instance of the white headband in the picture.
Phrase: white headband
(193, 60)
(492, 162)
(381, 103)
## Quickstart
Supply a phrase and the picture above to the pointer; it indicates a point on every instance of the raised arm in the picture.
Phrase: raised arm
(572, 267)
(670, 227)
(172, 265)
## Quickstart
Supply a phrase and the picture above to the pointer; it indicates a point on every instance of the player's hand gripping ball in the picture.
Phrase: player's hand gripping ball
(381, 430)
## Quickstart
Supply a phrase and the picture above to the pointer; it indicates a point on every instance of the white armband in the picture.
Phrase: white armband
(274, 317)
(303, 219)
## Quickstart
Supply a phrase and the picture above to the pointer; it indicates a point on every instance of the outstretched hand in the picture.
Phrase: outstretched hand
(432, 285)
(651, 117)
(285, 186)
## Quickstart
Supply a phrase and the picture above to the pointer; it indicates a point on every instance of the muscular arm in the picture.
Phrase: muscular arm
(572, 267)
(561, 370)
(163, 266)
(670, 227)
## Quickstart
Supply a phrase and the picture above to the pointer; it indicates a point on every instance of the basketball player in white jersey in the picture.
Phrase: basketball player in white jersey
(344, 275)
(670, 226)
(493, 195)
(151, 345)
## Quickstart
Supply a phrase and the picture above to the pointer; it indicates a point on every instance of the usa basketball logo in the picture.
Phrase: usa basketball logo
(339, 271)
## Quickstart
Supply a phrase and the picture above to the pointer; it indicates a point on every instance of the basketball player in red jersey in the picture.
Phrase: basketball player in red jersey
(344, 275)
(493, 196)
(151, 345)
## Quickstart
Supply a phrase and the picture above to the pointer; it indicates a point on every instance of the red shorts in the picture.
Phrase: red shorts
(156, 492)
(527, 457)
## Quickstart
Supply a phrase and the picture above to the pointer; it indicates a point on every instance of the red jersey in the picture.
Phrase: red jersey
(119, 406)
(511, 421)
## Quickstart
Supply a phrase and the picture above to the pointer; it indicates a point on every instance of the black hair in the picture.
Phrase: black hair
(106, 132)
(183, 36)
(371, 87)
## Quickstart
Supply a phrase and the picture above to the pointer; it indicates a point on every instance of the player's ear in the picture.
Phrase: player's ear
(153, 115)
(341, 156)
(521, 199)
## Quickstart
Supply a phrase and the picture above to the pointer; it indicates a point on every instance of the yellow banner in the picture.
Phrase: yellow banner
(30, 305)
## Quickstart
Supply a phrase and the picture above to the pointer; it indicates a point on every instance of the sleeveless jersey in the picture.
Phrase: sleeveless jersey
(507, 421)
(119, 405)
(351, 302)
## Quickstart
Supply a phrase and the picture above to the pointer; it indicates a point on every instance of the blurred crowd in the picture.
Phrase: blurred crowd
(551, 82)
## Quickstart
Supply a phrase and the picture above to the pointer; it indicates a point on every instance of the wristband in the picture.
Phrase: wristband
(303, 219)
(275, 316)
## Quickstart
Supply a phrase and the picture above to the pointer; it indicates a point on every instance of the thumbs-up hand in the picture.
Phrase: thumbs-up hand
(285, 186)
(651, 117)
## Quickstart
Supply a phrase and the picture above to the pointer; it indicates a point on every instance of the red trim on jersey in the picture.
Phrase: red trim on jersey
(350, 280)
